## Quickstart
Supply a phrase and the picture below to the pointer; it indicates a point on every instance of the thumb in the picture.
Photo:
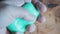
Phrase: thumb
(29, 17)
(26, 15)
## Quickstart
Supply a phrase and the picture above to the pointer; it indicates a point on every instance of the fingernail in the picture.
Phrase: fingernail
(43, 19)
(43, 8)
(32, 28)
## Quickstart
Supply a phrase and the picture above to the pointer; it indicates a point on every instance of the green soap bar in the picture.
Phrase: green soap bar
(19, 24)
(32, 10)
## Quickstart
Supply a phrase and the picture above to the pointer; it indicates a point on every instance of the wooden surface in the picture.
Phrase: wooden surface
(51, 26)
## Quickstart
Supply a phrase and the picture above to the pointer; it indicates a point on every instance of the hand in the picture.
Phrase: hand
(22, 13)
(8, 14)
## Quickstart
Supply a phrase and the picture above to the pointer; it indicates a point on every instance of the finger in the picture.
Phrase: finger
(40, 6)
(31, 28)
(43, 8)
(42, 19)
(26, 15)
(29, 17)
